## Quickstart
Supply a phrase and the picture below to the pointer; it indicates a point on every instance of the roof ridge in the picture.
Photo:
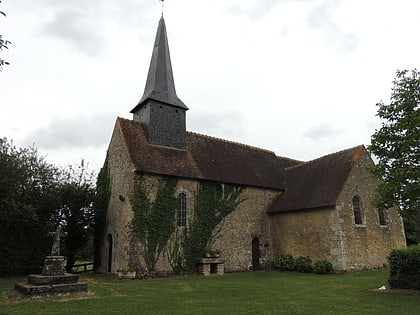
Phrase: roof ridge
(230, 142)
(290, 159)
(326, 156)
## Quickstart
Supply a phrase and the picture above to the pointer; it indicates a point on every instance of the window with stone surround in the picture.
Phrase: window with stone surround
(382, 217)
(181, 212)
(357, 209)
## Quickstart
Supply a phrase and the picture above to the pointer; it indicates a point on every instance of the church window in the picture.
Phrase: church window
(181, 212)
(357, 209)
(382, 216)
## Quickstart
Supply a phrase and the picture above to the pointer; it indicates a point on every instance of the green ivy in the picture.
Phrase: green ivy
(103, 194)
(154, 220)
(214, 201)
(175, 253)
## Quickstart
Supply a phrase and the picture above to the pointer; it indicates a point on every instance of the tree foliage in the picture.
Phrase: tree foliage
(28, 200)
(75, 213)
(103, 194)
(397, 146)
(36, 197)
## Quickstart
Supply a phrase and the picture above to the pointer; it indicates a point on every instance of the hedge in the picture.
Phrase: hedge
(405, 268)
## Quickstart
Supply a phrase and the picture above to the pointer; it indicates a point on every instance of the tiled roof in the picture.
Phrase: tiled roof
(316, 183)
(205, 158)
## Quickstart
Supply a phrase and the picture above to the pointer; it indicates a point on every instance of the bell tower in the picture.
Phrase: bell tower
(161, 112)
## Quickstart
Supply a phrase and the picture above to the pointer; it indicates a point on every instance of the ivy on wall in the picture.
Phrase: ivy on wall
(103, 194)
(154, 221)
(214, 201)
(153, 218)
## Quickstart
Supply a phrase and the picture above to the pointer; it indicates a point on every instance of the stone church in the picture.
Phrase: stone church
(320, 208)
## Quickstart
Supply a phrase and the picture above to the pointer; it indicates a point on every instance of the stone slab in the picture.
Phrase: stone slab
(212, 260)
(50, 280)
(29, 289)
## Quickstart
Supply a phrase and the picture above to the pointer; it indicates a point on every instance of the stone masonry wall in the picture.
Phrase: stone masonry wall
(240, 227)
(366, 245)
(188, 187)
(119, 213)
(330, 233)
(306, 233)
(237, 230)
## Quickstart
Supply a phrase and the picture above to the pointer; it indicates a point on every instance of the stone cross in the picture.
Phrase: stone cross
(55, 250)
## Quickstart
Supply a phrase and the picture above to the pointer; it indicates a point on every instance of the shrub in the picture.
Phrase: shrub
(405, 268)
(322, 266)
(303, 264)
(286, 262)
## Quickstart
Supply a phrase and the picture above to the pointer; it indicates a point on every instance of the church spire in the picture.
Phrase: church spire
(160, 84)
(160, 111)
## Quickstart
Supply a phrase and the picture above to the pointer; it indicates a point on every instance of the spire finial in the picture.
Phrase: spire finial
(162, 6)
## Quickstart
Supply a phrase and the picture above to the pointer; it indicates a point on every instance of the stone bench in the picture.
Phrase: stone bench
(211, 266)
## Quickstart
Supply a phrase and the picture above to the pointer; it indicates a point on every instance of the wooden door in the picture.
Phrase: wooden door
(255, 253)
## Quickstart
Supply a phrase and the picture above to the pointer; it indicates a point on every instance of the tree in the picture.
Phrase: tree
(35, 198)
(28, 200)
(3, 44)
(75, 213)
(103, 194)
(397, 146)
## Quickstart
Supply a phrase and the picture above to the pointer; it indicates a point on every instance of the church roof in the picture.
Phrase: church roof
(160, 84)
(316, 183)
(205, 158)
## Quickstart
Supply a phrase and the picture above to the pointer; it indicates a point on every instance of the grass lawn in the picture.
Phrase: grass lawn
(264, 292)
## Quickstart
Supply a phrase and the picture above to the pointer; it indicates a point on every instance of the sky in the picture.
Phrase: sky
(298, 77)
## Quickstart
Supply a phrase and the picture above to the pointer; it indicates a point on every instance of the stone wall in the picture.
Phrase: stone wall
(239, 228)
(307, 233)
(366, 245)
(189, 188)
(330, 233)
(119, 213)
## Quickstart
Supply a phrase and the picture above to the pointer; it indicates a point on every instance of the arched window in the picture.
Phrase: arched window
(382, 216)
(357, 208)
(181, 211)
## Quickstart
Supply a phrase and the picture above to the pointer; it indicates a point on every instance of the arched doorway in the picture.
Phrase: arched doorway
(255, 253)
(109, 238)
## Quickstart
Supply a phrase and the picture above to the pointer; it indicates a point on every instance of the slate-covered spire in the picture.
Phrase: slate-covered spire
(160, 111)
(160, 84)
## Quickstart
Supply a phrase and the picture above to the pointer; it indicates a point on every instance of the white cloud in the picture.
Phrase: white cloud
(227, 124)
(78, 29)
(321, 18)
(300, 77)
(322, 131)
(73, 132)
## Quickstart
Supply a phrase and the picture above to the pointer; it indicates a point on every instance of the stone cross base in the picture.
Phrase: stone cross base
(53, 266)
(51, 289)
(52, 281)
(211, 266)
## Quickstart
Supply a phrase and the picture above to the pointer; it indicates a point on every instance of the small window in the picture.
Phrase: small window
(382, 216)
(181, 212)
(357, 208)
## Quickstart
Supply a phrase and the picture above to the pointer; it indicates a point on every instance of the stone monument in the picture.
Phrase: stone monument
(53, 279)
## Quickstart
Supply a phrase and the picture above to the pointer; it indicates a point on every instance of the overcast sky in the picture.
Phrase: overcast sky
(298, 77)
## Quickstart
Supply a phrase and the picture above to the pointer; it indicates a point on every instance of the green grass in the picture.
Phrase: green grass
(242, 293)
